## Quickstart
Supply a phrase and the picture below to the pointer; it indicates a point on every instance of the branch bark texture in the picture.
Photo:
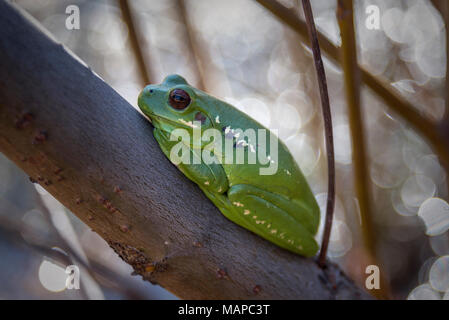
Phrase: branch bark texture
(73, 134)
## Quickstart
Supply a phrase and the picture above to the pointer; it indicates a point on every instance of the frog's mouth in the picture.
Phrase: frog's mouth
(158, 120)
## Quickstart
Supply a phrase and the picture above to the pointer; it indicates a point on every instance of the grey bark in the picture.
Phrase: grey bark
(73, 134)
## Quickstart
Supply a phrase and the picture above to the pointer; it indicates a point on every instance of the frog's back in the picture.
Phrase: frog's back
(285, 178)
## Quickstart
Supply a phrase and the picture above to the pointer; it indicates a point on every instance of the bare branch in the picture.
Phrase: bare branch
(352, 87)
(191, 43)
(327, 117)
(133, 38)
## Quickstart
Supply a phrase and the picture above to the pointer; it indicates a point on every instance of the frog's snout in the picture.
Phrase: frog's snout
(146, 92)
(143, 96)
(140, 100)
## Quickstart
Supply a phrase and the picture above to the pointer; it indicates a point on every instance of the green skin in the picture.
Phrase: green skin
(280, 207)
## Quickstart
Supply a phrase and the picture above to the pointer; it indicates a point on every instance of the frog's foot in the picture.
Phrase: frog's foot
(269, 216)
(222, 202)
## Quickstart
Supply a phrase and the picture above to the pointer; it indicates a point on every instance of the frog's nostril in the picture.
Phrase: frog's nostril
(151, 90)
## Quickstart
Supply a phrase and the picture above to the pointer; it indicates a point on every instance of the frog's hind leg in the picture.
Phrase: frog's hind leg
(222, 202)
(266, 215)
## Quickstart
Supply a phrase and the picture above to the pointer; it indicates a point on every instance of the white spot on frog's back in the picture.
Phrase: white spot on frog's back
(206, 183)
(238, 204)
(217, 119)
(241, 143)
(229, 133)
(252, 149)
(269, 158)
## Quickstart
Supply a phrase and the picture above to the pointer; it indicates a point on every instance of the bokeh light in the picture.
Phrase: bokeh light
(435, 214)
(52, 276)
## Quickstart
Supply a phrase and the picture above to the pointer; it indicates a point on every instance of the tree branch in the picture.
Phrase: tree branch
(90, 149)
(360, 162)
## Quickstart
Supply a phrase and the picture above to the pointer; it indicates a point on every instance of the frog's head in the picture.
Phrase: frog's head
(175, 104)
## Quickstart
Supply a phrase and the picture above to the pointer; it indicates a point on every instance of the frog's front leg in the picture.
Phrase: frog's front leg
(266, 214)
(211, 179)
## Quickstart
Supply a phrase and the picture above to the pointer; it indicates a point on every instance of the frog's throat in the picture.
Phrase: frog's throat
(176, 124)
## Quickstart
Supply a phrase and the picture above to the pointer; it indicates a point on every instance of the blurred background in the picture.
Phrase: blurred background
(238, 51)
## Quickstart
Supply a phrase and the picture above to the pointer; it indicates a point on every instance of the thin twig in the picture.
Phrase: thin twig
(443, 7)
(352, 87)
(327, 117)
(390, 95)
(137, 50)
(191, 43)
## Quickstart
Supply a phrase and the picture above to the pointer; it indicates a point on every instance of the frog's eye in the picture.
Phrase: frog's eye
(179, 99)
